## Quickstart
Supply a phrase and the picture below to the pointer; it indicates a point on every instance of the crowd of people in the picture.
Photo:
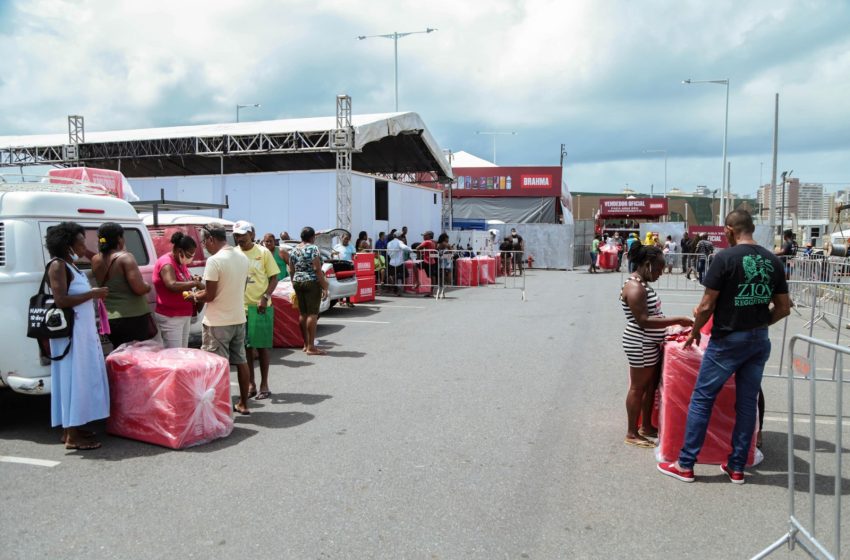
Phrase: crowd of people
(235, 295)
(693, 254)
(739, 342)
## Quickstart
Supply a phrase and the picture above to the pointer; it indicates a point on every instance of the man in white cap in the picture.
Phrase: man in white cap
(224, 317)
(262, 280)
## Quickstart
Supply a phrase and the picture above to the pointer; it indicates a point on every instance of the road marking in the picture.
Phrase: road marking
(28, 461)
(327, 320)
(396, 306)
(803, 420)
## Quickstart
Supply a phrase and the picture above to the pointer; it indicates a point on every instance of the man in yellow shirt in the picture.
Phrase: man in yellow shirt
(262, 280)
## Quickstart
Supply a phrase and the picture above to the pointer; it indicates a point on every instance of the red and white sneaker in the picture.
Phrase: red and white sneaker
(736, 477)
(670, 469)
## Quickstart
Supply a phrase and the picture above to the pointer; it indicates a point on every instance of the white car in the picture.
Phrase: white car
(342, 282)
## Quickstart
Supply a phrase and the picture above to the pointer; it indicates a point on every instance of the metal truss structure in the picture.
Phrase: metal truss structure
(343, 143)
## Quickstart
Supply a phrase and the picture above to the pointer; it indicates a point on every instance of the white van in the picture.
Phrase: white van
(26, 211)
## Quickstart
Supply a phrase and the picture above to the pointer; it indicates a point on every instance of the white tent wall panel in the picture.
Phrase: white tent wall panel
(288, 201)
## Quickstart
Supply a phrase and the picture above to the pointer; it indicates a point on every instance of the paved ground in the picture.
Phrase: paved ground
(477, 427)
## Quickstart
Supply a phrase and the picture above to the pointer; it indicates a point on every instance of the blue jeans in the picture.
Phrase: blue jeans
(700, 269)
(743, 354)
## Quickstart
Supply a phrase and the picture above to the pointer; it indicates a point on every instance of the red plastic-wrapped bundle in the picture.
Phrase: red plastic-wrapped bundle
(607, 257)
(424, 281)
(467, 272)
(681, 367)
(287, 330)
(486, 270)
(176, 397)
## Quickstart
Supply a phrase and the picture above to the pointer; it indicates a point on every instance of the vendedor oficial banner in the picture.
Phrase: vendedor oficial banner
(507, 181)
(632, 207)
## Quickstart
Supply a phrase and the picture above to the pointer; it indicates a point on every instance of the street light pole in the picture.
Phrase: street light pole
(494, 134)
(395, 36)
(665, 165)
(238, 107)
(725, 137)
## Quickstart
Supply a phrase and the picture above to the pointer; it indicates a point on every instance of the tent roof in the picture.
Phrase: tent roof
(465, 159)
(383, 143)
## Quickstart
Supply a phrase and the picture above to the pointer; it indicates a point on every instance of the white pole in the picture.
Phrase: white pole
(722, 217)
(395, 44)
(773, 173)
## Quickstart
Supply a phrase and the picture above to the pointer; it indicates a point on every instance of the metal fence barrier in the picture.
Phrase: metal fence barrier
(804, 367)
(433, 273)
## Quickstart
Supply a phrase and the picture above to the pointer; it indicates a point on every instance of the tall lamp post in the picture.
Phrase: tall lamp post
(785, 175)
(725, 82)
(494, 134)
(239, 107)
(665, 165)
(395, 36)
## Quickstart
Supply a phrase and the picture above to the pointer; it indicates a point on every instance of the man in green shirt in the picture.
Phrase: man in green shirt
(268, 243)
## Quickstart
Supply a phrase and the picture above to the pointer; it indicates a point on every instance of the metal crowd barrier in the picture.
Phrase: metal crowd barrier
(821, 283)
(450, 269)
(804, 367)
(683, 275)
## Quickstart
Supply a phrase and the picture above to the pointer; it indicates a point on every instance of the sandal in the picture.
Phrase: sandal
(252, 393)
(243, 411)
(263, 395)
(642, 443)
(84, 446)
(647, 433)
(85, 434)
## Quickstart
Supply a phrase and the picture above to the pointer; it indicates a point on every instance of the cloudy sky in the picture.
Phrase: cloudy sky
(601, 76)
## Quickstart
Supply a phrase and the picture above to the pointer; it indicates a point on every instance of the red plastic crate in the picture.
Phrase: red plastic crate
(365, 290)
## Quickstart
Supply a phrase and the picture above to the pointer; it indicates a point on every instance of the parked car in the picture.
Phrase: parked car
(342, 282)
(27, 210)
(190, 224)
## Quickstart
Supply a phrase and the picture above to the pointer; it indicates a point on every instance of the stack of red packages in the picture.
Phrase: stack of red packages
(176, 397)
(468, 273)
(287, 329)
(486, 270)
(410, 269)
(680, 371)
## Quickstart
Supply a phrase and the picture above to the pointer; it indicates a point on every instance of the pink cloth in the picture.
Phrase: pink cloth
(168, 303)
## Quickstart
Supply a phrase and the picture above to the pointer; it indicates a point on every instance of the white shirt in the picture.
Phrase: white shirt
(395, 251)
(230, 269)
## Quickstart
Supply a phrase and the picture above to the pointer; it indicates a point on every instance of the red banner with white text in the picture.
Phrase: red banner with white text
(506, 181)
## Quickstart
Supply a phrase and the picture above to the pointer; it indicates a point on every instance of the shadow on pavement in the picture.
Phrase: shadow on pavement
(345, 354)
(773, 471)
(274, 419)
(293, 398)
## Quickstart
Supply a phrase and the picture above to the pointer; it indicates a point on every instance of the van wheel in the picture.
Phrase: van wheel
(332, 303)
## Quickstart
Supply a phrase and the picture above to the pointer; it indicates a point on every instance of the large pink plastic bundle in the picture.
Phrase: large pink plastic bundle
(607, 257)
(681, 368)
(176, 397)
(486, 270)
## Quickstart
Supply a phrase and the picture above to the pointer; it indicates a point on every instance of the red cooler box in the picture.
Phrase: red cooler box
(486, 270)
(424, 280)
(681, 368)
(364, 265)
(176, 397)
(467, 272)
(287, 329)
(365, 290)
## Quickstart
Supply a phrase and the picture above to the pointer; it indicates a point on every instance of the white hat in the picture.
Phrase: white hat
(242, 227)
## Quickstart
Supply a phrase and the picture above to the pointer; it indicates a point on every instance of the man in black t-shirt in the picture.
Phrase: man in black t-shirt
(745, 292)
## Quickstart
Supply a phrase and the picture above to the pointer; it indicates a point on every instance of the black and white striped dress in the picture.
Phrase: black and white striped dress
(642, 346)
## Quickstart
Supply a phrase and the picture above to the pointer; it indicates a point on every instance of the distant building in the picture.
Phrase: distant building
(702, 190)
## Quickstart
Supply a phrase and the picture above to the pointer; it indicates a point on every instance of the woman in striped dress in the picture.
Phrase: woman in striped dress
(642, 338)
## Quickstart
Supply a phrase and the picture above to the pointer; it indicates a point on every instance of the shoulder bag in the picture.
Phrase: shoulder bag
(46, 321)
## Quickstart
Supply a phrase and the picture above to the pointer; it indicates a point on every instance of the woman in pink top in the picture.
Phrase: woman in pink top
(171, 278)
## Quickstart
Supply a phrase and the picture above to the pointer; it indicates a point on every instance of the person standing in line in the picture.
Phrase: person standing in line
(310, 285)
(345, 251)
(786, 252)
(704, 249)
(428, 253)
(686, 250)
(223, 334)
(79, 386)
(618, 242)
(645, 330)
(171, 278)
(671, 248)
(396, 249)
(259, 312)
(633, 238)
(278, 254)
(745, 293)
(518, 248)
(594, 253)
(130, 317)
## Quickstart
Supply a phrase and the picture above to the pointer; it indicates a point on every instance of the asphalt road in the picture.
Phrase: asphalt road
(480, 427)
